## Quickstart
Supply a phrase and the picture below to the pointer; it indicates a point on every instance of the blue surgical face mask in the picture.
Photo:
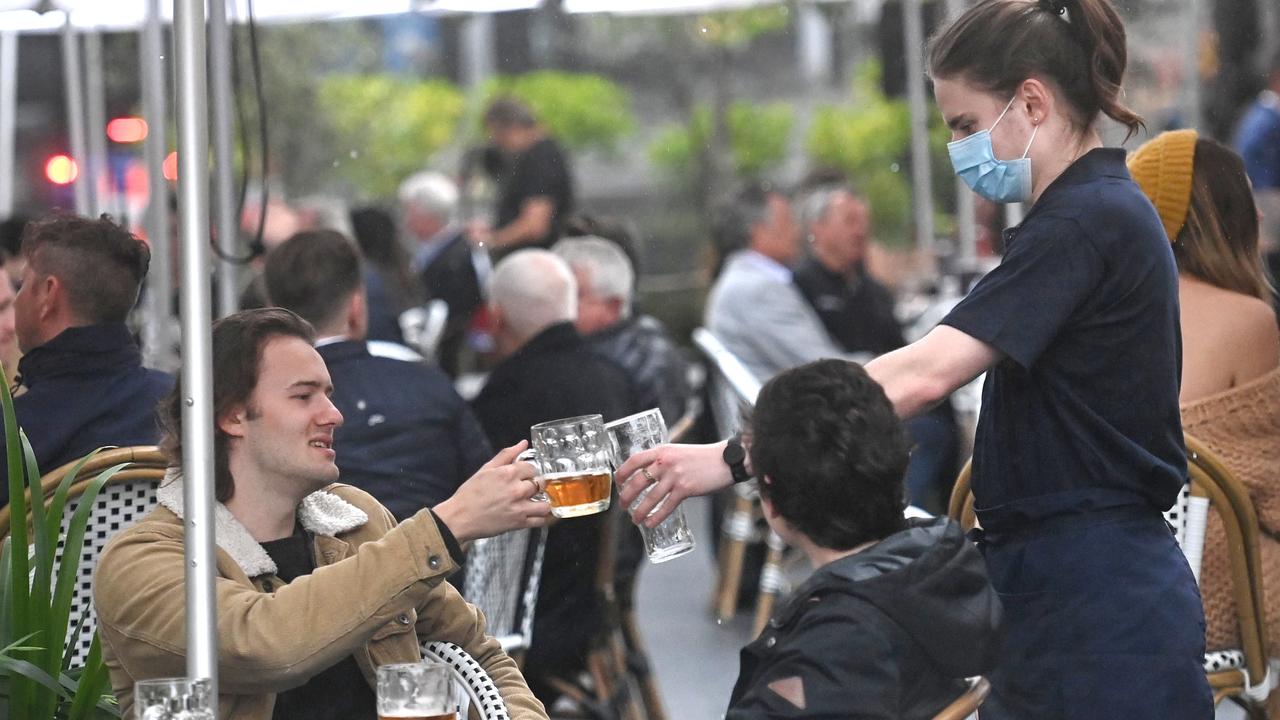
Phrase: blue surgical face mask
(1002, 181)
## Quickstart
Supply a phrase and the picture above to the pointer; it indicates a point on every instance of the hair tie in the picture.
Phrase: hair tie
(1057, 7)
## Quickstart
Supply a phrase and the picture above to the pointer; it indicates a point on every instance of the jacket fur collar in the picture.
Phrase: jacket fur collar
(321, 512)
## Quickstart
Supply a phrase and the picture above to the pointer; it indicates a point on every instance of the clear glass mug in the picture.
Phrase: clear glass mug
(671, 538)
(173, 699)
(573, 456)
(417, 691)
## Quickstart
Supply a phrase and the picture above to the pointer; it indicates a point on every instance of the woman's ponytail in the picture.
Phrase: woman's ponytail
(1079, 44)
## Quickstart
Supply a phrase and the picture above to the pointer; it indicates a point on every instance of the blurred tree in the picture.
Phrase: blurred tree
(387, 127)
(582, 110)
(726, 34)
(868, 139)
(304, 146)
(757, 139)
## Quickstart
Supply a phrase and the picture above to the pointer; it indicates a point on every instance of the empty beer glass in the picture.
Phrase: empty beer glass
(671, 538)
(173, 699)
(420, 691)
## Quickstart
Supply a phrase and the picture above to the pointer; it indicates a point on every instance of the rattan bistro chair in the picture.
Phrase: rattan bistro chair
(967, 704)
(127, 496)
(1242, 674)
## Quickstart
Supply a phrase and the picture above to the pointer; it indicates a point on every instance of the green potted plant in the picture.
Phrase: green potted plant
(37, 681)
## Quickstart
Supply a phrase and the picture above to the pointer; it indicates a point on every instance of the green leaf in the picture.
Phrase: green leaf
(27, 670)
(21, 690)
(93, 684)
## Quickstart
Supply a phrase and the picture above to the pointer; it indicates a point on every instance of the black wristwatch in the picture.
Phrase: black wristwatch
(735, 456)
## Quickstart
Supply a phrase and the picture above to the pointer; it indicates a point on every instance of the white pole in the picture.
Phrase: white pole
(75, 114)
(95, 169)
(224, 209)
(921, 186)
(197, 361)
(8, 114)
(477, 49)
(966, 219)
(157, 337)
(1193, 21)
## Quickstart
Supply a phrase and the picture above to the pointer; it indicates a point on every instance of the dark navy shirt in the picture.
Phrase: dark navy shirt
(407, 438)
(85, 389)
(1082, 412)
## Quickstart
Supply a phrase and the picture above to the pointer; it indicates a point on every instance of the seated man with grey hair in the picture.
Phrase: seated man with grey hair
(640, 344)
(442, 259)
(548, 372)
(755, 307)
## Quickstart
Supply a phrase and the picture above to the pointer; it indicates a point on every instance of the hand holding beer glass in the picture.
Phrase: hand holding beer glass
(573, 456)
(417, 691)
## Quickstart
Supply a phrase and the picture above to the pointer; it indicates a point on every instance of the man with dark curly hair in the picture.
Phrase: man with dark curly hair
(898, 612)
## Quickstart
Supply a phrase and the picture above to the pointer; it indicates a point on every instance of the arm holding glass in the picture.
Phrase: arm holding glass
(915, 378)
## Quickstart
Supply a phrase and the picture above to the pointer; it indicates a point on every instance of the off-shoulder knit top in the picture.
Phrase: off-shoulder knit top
(1242, 426)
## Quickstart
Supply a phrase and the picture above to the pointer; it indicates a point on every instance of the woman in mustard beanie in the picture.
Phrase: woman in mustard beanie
(1230, 393)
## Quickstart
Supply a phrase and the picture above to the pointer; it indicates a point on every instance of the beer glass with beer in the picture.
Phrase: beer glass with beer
(573, 457)
(417, 691)
(173, 699)
(671, 538)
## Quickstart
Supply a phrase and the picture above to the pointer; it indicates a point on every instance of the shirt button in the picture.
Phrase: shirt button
(433, 562)
(771, 642)
(402, 619)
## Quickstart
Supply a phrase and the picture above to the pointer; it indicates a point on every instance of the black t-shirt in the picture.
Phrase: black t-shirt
(1082, 412)
(340, 692)
(540, 171)
(857, 312)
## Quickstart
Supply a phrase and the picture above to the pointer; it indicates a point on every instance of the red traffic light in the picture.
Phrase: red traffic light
(127, 130)
(61, 170)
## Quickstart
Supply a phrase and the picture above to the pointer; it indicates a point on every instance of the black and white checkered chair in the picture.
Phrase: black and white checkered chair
(127, 496)
(1243, 674)
(502, 575)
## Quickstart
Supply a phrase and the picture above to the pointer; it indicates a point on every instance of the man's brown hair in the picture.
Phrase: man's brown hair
(100, 264)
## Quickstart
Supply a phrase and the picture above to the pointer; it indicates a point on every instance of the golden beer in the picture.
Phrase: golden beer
(579, 493)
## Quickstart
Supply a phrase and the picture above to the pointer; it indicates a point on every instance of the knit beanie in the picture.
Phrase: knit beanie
(1162, 168)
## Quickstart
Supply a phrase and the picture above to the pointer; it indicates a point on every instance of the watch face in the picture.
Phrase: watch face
(734, 453)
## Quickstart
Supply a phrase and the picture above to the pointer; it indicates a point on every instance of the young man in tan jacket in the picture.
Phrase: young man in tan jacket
(316, 584)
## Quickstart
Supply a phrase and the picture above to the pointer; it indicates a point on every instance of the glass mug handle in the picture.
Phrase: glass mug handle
(531, 456)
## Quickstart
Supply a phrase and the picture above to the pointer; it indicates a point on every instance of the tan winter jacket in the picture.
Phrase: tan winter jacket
(273, 636)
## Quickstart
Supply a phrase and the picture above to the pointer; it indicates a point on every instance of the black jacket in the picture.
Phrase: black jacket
(86, 388)
(889, 632)
(407, 438)
(659, 372)
(857, 312)
(451, 276)
(555, 375)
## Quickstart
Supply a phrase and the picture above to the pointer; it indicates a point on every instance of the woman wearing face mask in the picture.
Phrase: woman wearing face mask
(1079, 444)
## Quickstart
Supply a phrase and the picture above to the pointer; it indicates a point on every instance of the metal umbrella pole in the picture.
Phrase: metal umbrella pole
(8, 117)
(197, 360)
(224, 209)
(157, 338)
(95, 167)
(75, 113)
(966, 215)
(921, 186)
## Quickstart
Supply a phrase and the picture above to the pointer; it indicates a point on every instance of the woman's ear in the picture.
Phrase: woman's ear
(1036, 98)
